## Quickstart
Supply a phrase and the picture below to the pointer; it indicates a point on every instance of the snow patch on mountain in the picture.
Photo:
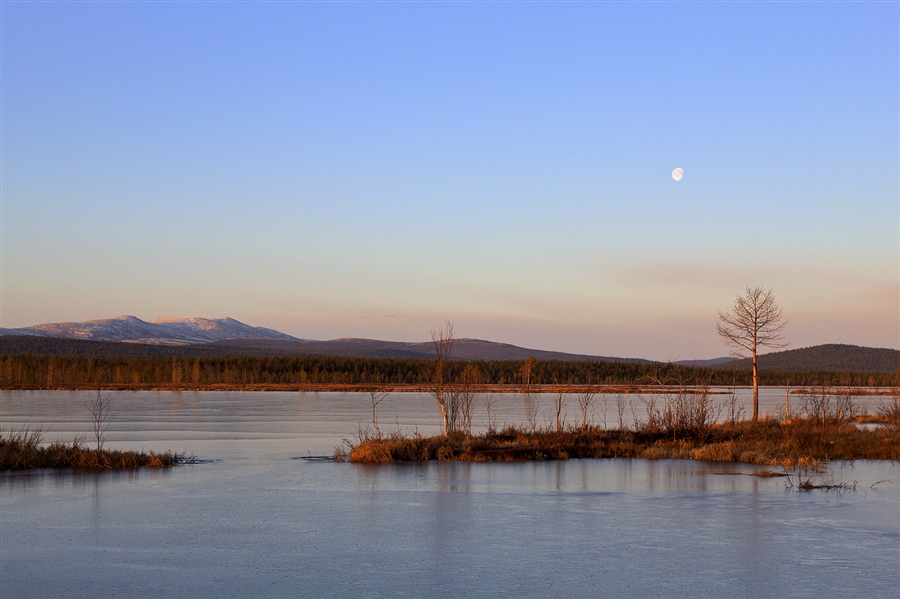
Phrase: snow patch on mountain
(166, 331)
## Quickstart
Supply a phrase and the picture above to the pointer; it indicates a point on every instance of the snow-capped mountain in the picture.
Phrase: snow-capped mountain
(165, 331)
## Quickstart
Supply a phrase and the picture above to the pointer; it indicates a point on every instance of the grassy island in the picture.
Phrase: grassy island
(23, 450)
(765, 442)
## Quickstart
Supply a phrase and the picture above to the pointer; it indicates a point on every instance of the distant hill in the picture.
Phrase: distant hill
(467, 349)
(162, 331)
(831, 357)
(711, 362)
(226, 336)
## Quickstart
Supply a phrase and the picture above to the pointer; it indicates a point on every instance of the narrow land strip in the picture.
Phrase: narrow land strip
(24, 450)
(768, 442)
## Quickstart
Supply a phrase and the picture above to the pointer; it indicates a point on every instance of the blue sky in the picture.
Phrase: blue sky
(371, 169)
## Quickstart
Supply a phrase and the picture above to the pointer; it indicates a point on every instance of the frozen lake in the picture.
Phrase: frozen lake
(261, 521)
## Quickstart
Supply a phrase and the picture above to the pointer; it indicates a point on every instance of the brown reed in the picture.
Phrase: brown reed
(23, 449)
(767, 441)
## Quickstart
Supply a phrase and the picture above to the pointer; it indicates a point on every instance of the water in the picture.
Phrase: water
(259, 521)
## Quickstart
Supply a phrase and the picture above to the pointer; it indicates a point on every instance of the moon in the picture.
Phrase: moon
(678, 173)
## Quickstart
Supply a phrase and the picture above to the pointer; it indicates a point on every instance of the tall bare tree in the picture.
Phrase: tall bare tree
(755, 320)
(442, 339)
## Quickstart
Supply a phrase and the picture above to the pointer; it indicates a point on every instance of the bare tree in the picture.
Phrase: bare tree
(735, 411)
(620, 410)
(527, 368)
(531, 410)
(462, 396)
(560, 402)
(490, 400)
(442, 339)
(605, 410)
(585, 399)
(377, 397)
(787, 403)
(101, 416)
(755, 320)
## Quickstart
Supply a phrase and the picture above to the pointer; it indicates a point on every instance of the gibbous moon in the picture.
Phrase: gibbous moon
(677, 174)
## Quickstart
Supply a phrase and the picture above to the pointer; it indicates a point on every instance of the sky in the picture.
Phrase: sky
(372, 169)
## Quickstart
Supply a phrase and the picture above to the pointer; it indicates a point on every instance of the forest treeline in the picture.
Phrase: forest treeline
(49, 372)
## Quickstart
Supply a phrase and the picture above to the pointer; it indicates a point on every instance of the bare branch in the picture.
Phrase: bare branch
(755, 320)
(442, 339)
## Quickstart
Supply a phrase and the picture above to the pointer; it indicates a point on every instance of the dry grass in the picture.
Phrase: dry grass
(23, 449)
(890, 413)
(766, 442)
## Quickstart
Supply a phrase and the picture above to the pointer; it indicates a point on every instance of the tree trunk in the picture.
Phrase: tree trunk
(755, 389)
(787, 403)
(444, 414)
(375, 422)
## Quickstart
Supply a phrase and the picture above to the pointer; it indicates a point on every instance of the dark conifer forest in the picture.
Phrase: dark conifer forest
(37, 363)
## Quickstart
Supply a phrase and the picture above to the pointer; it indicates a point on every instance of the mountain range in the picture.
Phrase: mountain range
(129, 336)
(162, 331)
(211, 336)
